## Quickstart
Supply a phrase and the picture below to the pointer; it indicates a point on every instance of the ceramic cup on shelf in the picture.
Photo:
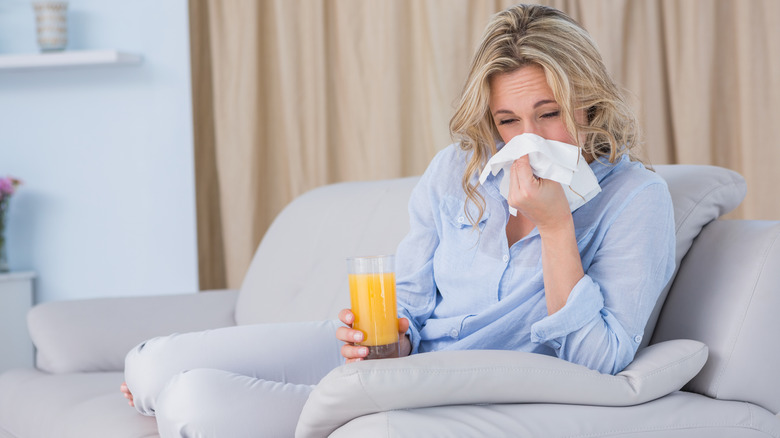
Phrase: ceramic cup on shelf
(51, 23)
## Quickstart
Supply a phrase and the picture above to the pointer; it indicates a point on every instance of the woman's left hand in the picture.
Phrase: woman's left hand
(540, 200)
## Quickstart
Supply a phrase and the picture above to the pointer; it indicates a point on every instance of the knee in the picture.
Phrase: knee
(210, 402)
(189, 401)
(140, 357)
(146, 373)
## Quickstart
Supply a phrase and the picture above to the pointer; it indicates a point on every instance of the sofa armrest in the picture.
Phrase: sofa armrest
(726, 296)
(96, 334)
(482, 376)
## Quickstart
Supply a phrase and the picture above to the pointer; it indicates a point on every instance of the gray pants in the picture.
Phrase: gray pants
(244, 381)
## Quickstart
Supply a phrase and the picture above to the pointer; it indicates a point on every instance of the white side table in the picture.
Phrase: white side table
(16, 297)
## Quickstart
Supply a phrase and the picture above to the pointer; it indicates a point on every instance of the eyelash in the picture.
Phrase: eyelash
(549, 115)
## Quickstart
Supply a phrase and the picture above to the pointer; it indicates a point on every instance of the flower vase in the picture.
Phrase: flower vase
(3, 257)
(3, 251)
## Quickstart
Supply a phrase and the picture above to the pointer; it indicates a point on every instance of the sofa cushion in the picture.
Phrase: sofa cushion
(35, 404)
(492, 376)
(726, 295)
(700, 194)
(96, 334)
(319, 229)
(299, 272)
(678, 415)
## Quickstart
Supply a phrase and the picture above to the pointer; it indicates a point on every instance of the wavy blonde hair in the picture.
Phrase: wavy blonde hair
(534, 34)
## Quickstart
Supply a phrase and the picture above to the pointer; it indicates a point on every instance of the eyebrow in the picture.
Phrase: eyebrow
(536, 105)
(543, 102)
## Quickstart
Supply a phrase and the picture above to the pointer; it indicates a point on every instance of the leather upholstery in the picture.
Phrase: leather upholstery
(313, 236)
(700, 194)
(724, 296)
(678, 415)
(66, 340)
(733, 309)
(478, 377)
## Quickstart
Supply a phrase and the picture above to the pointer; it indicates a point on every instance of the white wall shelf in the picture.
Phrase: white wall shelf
(74, 58)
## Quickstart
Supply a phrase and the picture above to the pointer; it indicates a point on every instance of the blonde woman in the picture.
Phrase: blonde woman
(578, 284)
(581, 285)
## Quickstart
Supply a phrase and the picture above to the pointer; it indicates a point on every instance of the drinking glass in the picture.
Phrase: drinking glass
(372, 292)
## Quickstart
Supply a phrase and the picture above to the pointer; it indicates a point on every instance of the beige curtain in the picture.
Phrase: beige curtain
(293, 94)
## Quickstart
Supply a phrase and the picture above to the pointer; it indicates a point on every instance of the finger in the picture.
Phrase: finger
(354, 351)
(523, 171)
(403, 325)
(347, 334)
(346, 316)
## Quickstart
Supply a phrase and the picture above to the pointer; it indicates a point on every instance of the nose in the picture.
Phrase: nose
(530, 127)
(524, 127)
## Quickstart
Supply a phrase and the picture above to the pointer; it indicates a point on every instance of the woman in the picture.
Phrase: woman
(602, 267)
(578, 285)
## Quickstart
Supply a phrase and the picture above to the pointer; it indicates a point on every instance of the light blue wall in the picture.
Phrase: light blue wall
(106, 154)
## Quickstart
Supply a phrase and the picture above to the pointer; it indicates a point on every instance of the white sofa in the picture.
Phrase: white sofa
(721, 308)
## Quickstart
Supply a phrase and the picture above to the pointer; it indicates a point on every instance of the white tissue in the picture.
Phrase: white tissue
(550, 159)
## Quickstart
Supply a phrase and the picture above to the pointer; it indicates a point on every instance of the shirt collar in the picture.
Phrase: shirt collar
(601, 167)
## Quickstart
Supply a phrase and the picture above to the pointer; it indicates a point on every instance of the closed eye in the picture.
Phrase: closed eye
(506, 121)
(551, 115)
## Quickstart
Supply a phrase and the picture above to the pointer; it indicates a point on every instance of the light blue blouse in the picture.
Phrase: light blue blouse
(466, 289)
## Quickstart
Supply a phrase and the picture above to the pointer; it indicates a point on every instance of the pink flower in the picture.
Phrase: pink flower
(8, 186)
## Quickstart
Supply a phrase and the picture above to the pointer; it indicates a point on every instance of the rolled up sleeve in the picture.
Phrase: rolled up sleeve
(603, 321)
(583, 306)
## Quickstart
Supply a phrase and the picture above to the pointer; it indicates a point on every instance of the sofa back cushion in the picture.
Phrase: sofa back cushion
(700, 194)
(726, 295)
(299, 272)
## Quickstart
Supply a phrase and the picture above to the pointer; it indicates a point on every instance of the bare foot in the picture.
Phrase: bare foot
(126, 392)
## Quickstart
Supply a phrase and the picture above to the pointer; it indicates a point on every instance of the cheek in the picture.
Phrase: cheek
(507, 133)
(558, 132)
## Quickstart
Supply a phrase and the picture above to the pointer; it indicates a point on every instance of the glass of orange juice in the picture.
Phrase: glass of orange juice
(372, 292)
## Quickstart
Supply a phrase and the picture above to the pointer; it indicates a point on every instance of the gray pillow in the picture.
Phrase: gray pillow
(700, 194)
(492, 376)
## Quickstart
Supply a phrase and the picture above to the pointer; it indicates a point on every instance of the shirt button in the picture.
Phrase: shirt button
(638, 338)
(454, 333)
(461, 219)
(506, 258)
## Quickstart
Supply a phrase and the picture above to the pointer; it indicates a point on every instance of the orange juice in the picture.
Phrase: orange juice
(373, 304)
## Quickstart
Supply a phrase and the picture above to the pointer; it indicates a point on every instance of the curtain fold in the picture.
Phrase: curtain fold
(293, 94)
(211, 255)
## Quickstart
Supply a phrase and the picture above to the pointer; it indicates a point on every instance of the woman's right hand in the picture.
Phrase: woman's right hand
(350, 336)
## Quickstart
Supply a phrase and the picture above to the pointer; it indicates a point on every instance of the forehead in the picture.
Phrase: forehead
(527, 84)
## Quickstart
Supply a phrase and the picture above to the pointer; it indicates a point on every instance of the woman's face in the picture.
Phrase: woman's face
(521, 102)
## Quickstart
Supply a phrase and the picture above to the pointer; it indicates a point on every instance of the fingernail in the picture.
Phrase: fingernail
(349, 317)
(363, 351)
(358, 336)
